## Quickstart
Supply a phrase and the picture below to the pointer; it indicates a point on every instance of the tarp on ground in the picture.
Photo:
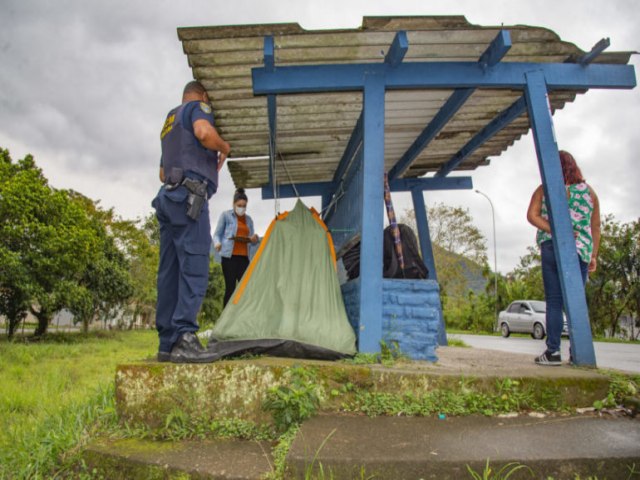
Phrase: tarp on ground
(289, 301)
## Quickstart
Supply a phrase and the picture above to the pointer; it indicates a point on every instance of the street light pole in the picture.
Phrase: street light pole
(495, 252)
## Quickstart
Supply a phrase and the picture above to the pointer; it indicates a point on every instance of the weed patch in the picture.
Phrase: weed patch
(56, 394)
(508, 396)
(388, 356)
(621, 389)
(504, 473)
(293, 403)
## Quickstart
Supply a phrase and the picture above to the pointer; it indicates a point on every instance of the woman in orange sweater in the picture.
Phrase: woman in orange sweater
(232, 238)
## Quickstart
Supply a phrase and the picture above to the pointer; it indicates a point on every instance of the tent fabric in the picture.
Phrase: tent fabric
(289, 302)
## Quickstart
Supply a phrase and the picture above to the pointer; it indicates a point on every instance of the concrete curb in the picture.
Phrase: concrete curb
(428, 448)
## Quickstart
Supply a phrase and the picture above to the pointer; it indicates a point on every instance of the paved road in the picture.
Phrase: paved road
(619, 356)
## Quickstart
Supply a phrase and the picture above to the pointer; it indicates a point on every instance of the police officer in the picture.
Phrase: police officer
(192, 154)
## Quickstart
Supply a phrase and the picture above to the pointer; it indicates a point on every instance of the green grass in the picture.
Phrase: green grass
(453, 331)
(54, 392)
(456, 342)
(615, 340)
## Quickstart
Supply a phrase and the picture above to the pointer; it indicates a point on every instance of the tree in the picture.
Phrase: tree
(212, 304)
(144, 254)
(46, 237)
(459, 251)
(15, 282)
(69, 242)
(105, 285)
(524, 281)
(56, 250)
(613, 289)
(138, 241)
(456, 241)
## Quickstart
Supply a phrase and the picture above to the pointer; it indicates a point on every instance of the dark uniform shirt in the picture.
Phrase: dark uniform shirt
(182, 153)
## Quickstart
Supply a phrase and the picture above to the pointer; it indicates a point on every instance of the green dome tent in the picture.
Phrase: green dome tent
(288, 302)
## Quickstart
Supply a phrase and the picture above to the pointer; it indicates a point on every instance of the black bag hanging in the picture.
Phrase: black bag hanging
(414, 266)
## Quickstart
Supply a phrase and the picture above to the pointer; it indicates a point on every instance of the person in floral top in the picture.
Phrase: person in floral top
(584, 210)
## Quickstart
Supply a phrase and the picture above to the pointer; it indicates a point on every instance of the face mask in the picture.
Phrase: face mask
(240, 211)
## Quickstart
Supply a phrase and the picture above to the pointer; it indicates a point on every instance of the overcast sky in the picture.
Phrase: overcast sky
(85, 87)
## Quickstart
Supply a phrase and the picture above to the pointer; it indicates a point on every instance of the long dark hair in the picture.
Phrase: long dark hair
(570, 169)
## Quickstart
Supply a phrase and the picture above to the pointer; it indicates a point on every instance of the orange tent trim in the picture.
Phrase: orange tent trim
(263, 244)
(252, 265)
(317, 218)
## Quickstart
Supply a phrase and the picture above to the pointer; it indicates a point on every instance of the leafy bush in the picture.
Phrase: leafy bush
(293, 403)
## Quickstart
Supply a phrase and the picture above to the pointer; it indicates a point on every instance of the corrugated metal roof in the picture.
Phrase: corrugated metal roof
(313, 129)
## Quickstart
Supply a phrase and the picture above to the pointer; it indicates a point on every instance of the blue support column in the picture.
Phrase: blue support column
(326, 200)
(575, 302)
(372, 179)
(269, 65)
(422, 222)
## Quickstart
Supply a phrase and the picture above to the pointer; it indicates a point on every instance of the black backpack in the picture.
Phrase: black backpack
(414, 267)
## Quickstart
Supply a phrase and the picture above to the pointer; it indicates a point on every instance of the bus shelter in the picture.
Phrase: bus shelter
(328, 112)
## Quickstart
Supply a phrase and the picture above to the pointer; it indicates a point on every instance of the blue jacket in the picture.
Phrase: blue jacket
(226, 229)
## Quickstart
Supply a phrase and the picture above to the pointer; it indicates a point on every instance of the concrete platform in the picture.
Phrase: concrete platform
(134, 459)
(361, 447)
(148, 392)
(402, 448)
(394, 448)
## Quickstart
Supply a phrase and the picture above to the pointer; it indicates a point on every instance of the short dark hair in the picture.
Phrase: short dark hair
(194, 86)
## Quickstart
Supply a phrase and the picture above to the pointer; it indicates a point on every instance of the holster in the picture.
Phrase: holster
(196, 198)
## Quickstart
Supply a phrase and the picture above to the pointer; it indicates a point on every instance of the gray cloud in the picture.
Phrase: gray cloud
(85, 86)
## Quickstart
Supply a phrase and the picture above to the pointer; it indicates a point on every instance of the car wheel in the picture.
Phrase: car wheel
(538, 332)
(504, 329)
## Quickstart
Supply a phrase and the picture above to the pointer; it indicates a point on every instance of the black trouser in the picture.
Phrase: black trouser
(233, 268)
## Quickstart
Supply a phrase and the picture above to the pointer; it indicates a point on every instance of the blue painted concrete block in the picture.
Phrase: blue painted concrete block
(411, 314)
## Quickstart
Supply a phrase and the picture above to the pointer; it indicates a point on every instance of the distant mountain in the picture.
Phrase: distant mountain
(471, 270)
(473, 273)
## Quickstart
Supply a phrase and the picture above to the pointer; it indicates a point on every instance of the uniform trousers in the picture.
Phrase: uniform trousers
(183, 272)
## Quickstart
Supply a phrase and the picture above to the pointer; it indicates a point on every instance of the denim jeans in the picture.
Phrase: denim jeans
(553, 294)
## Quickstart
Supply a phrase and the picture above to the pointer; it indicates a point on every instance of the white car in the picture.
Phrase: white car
(526, 316)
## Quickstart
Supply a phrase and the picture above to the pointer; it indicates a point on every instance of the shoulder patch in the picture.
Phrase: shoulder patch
(205, 107)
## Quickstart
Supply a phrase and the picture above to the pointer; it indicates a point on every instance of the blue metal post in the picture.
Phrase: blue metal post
(575, 303)
(372, 179)
(422, 222)
(326, 199)
(269, 64)
(326, 189)
(410, 75)
(398, 49)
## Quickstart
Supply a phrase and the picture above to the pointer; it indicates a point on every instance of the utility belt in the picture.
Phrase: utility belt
(197, 195)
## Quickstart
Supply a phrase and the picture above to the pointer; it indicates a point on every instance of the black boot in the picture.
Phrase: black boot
(163, 356)
(188, 349)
